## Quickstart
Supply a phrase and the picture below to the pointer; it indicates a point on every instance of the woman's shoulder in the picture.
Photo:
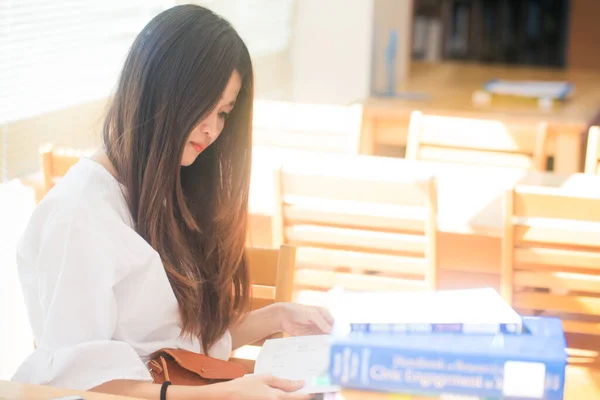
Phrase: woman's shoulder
(86, 194)
(86, 206)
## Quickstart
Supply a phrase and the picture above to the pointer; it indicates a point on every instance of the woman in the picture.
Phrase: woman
(141, 247)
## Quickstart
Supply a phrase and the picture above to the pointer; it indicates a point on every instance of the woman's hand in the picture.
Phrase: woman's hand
(291, 318)
(261, 387)
(301, 320)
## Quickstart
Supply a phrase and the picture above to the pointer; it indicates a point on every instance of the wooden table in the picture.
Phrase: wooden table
(450, 87)
(20, 391)
(469, 203)
(581, 384)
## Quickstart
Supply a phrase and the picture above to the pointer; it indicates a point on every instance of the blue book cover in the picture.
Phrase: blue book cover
(466, 328)
(530, 365)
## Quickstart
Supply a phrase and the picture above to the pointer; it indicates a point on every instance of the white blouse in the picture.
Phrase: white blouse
(98, 298)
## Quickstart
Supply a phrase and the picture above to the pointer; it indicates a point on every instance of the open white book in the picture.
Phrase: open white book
(299, 358)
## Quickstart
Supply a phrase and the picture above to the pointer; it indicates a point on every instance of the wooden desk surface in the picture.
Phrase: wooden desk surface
(20, 391)
(451, 85)
(581, 384)
(469, 197)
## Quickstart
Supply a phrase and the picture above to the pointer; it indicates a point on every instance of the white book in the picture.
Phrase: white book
(465, 311)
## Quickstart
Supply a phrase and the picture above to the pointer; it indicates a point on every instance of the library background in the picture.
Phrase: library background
(472, 128)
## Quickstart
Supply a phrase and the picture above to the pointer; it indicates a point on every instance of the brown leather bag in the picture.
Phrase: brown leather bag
(182, 367)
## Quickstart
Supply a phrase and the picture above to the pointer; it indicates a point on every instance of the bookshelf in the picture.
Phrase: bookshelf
(510, 32)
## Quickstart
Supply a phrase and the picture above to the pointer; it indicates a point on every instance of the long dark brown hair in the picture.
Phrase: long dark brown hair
(195, 217)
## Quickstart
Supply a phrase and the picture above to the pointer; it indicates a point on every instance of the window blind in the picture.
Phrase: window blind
(56, 54)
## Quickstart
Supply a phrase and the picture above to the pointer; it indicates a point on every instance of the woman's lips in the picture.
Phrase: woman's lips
(198, 147)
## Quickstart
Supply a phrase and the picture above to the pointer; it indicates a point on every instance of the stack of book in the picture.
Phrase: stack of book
(465, 344)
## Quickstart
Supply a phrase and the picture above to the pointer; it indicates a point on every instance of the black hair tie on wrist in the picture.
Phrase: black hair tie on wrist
(163, 390)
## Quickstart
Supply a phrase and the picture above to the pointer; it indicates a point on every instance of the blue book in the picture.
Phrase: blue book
(466, 328)
(529, 366)
(469, 311)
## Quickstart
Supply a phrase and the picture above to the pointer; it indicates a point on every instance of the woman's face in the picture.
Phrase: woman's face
(209, 129)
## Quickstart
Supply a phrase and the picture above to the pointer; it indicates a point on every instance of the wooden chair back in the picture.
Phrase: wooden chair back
(359, 232)
(56, 162)
(476, 141)
(315, 127)
(271, 274)
(592, 156)
(551, 256)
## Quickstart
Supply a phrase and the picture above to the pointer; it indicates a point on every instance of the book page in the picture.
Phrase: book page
(300, 357)
(471, 306)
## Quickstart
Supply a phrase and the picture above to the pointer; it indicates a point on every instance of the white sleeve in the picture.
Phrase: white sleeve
(76, 270)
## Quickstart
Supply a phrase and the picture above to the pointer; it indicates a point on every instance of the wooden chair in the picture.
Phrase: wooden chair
(271, 274)
(272, 280)
(358, 232)
(56, 162)
(315, 127)
(592, 156)
(551, 256)
(476, 141)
